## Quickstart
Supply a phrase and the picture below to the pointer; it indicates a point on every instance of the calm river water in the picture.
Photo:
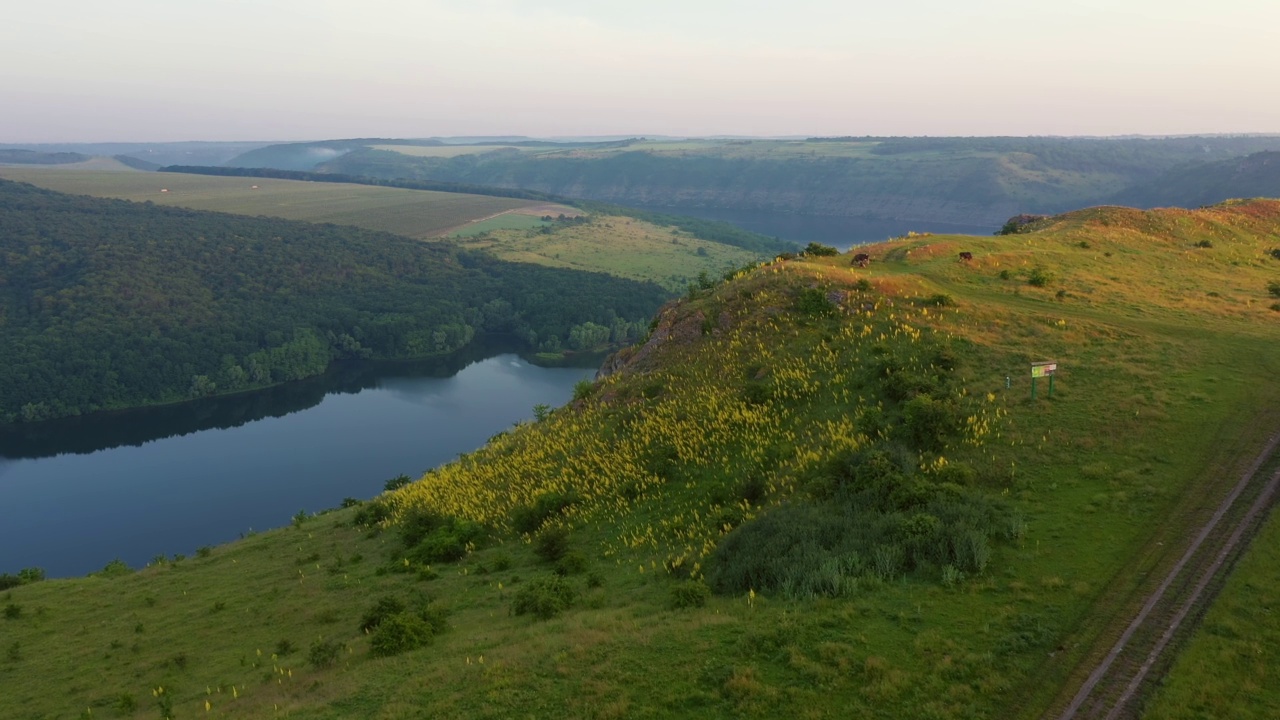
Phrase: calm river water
(132, 485)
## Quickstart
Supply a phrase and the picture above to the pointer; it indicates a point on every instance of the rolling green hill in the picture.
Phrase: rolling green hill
(814, 489)
(111, 304)
(973, 181)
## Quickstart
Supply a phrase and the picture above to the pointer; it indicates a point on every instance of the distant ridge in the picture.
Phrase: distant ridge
(1256, 175)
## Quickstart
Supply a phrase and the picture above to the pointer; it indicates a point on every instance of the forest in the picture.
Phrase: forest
(109, 304)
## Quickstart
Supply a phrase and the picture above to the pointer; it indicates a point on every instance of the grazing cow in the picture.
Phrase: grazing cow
(862, 260)
(966, 256)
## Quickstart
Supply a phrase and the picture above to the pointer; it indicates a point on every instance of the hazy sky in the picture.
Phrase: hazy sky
(96, 70)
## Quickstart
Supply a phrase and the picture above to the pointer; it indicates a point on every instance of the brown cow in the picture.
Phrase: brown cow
(862, 260)
(966, 256)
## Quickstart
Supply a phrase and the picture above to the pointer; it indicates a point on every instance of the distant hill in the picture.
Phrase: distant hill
(1256, 175)
(969, 181)
(32, 157)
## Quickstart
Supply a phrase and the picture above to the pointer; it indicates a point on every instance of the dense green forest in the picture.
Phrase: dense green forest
(110, 304)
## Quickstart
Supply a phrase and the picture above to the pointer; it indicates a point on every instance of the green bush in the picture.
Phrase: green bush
(813, 301)
(688, 594)
(115, 568)
(571, 563)
(30, 575)
(8, 581)
(582, 389)
(1039, 277)
(431, 537)
(12, 612)
(371, 513)
(1273, 287)
(396, 482)
(543, 597)
(385, 607)
(820, 250)
(551, 543)
(930, 423)
(545, 506)
(399, 633)
(323, 653)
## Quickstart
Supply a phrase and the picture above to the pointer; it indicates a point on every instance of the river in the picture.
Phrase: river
(77, 493)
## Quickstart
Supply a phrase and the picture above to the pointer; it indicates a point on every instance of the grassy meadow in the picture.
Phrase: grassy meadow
(818, 490)
(413, 213)
(620, 246)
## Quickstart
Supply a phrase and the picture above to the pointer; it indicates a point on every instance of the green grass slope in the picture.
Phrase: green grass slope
(815, 490)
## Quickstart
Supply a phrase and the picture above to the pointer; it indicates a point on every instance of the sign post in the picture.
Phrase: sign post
(1043, 369)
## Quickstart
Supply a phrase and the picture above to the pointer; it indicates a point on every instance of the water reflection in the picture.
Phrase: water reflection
(102, 431)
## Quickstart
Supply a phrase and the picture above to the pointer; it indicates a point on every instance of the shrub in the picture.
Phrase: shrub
(545, 506)
(371, 513)
(582, 389)
(1273, 287)
(385, 607)
(1039, 277)
(1206, 243)
(30, 575)
(126, 704)
(820, 250)
(813, 301)
(1275, 253)
(552, 543)
(8, 581)
(432, 537)
(396, 482)
(115, 568)
(571, 563)
(204, 551)
(930, 423)
(323, 653)
(350, 502)
(862, 285)
(284, 647)
(1004, 275)
(940, 300)
(543, 597)
(688, 594)
(400, 633)
(12, 612)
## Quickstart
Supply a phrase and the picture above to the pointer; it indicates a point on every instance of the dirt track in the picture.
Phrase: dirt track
(1142, 654)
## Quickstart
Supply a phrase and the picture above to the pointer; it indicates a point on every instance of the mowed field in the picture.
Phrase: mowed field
(413, 213)
(620, 246)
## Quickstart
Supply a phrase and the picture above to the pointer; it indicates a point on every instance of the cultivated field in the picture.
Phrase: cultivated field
(616, 245)
(412, 213)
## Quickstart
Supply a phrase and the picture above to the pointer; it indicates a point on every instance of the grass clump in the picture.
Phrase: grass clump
(431, 537)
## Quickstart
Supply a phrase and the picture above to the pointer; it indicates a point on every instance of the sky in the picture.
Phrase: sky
(168, 70)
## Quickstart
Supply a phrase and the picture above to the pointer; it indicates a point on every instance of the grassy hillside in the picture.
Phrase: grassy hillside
(411, 213)
(816, 490)
(620, 246)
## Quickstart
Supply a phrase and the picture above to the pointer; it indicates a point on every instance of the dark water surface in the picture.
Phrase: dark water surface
(75, 494)
(840, 232)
